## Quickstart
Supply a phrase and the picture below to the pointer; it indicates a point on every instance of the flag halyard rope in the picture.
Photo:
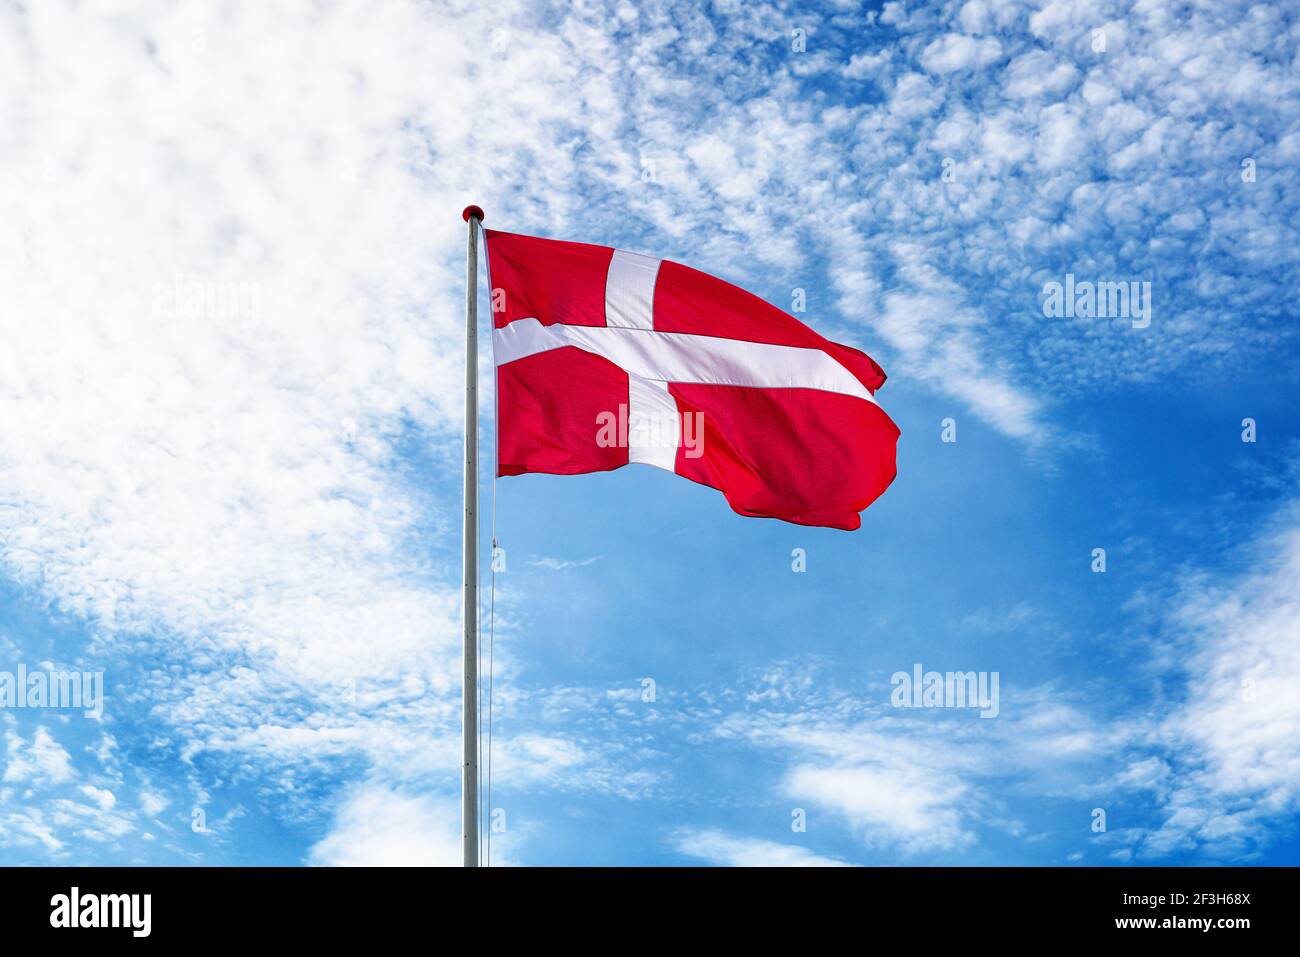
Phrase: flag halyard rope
(492, 574)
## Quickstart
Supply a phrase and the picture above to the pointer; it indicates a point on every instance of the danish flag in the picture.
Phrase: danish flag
(606, 357)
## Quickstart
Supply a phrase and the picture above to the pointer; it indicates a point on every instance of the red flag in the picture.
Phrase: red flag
(606, 357)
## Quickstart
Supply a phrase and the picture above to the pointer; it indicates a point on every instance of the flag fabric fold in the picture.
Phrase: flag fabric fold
(606, 358)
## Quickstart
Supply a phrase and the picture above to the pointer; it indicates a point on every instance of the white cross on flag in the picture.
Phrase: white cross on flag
(606, 357)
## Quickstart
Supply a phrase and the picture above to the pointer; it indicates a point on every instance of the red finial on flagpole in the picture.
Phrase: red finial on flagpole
(475, 211)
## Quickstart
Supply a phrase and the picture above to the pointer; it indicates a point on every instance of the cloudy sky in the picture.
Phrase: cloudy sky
(232, 260)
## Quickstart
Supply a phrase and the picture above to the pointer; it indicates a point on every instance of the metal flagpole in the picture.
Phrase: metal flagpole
(473, 215)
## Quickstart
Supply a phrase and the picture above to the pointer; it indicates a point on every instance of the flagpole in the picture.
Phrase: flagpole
(472, 215)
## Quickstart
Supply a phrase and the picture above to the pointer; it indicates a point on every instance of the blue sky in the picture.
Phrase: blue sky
(229, 475)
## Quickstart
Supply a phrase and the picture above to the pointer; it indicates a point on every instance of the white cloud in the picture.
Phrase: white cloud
(562, 564)
(932, 783)
(862, 65)
(1038, 73)
(42, 761)
(376, 827)
(938, 338)
(727, 850)
(899, 803)
(101, 796)
(974, 16)
(379, 827)
(1061, 138)
(1235, 742)
(958, 52)
(91, 822)
(27, 827)
(153, 803)
(914, 96)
